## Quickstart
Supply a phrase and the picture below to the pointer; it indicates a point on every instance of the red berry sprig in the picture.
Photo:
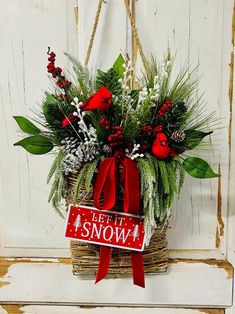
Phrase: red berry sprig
(119, 154)
(56, 72)
(165, 107)
(158, 129)
(105, 124)
(147, 129)
(115, 139)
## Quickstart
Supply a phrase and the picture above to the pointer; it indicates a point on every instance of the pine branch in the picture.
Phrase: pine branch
(164, 175)
(55, 165)
(92, 166)
(79, 182)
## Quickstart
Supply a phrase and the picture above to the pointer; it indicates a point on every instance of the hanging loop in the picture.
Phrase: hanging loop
(134, 31)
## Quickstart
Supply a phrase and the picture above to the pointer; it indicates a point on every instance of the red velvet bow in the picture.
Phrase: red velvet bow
(106, 182)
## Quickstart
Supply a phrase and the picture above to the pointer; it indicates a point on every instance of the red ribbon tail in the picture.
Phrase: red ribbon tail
(131, 190)
(105, 255)
(138, 269)
(106, 182)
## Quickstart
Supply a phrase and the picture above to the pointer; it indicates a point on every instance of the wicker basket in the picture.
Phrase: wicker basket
(85, 257)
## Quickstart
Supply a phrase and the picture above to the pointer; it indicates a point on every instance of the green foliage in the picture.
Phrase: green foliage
(198, 168)
(83, 76)
(58, 188)
(26, 125)
(92, 166)
(118, 65)
(181, 177)
(36, 144)
(94, 117)
(110, 80)
(193, 138)
(160, 181)
(54, 110)
(79, 182)
(164, 175)
(184, 86)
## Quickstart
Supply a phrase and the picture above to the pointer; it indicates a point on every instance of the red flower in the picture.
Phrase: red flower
(100, 100)
(67, 121)
(160, 147)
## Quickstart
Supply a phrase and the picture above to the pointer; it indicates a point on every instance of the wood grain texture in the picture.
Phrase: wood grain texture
(199, 32)
(187, 283)
(51, 309)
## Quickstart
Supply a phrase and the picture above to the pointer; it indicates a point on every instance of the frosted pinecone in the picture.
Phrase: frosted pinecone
(107, 149)
(76, 153)
(178, 136)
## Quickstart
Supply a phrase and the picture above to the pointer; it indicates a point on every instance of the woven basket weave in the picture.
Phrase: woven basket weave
(85, 256)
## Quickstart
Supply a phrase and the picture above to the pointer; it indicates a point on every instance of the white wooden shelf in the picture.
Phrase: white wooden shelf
(186, 284)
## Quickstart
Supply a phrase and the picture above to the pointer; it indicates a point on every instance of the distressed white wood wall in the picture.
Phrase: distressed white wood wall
(198, 32)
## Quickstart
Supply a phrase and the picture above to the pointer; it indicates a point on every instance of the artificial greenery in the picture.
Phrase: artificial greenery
(93, 117)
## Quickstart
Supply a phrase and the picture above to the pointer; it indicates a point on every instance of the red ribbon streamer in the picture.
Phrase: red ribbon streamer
(106, 182)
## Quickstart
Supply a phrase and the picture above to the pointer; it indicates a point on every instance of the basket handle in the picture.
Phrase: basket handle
(134, 31)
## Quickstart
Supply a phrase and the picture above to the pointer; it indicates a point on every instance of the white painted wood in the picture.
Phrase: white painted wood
(44, 309)
(29, 27)
(198, 30)
(194, 223)
(192, 29)
(186, 284)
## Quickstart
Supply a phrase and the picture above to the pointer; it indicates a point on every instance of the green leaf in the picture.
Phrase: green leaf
(26, 125)
(198, 168)
(118, 65)
(36, 144)
(50, 99)
(193, 138)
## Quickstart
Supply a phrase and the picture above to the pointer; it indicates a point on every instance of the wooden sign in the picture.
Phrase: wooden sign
(88, 224)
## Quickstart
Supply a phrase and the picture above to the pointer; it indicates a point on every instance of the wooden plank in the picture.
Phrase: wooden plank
(206, 283)
(44, 309)
(41, 232)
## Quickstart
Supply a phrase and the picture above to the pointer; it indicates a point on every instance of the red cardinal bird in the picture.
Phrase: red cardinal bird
(160, 146)
(100, 100)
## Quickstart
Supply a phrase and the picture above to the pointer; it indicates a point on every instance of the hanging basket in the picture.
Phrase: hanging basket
(85, 256)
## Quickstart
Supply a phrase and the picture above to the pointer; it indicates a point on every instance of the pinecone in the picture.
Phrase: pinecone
(107, 149)
(75, 154)
(178, 136)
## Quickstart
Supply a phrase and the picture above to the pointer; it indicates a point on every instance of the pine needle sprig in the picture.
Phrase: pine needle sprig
(79, 183)
(58, 188)
(83, 76)
(91, 169)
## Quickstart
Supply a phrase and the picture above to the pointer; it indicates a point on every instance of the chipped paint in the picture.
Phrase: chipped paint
(230, 91)
(212, 311)
(212, 262)
(188, 251)
(66, 261)
(12, 309)
(4, 283)
(220, 223)
(6, 263)
(230, 94)
(75, 10)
